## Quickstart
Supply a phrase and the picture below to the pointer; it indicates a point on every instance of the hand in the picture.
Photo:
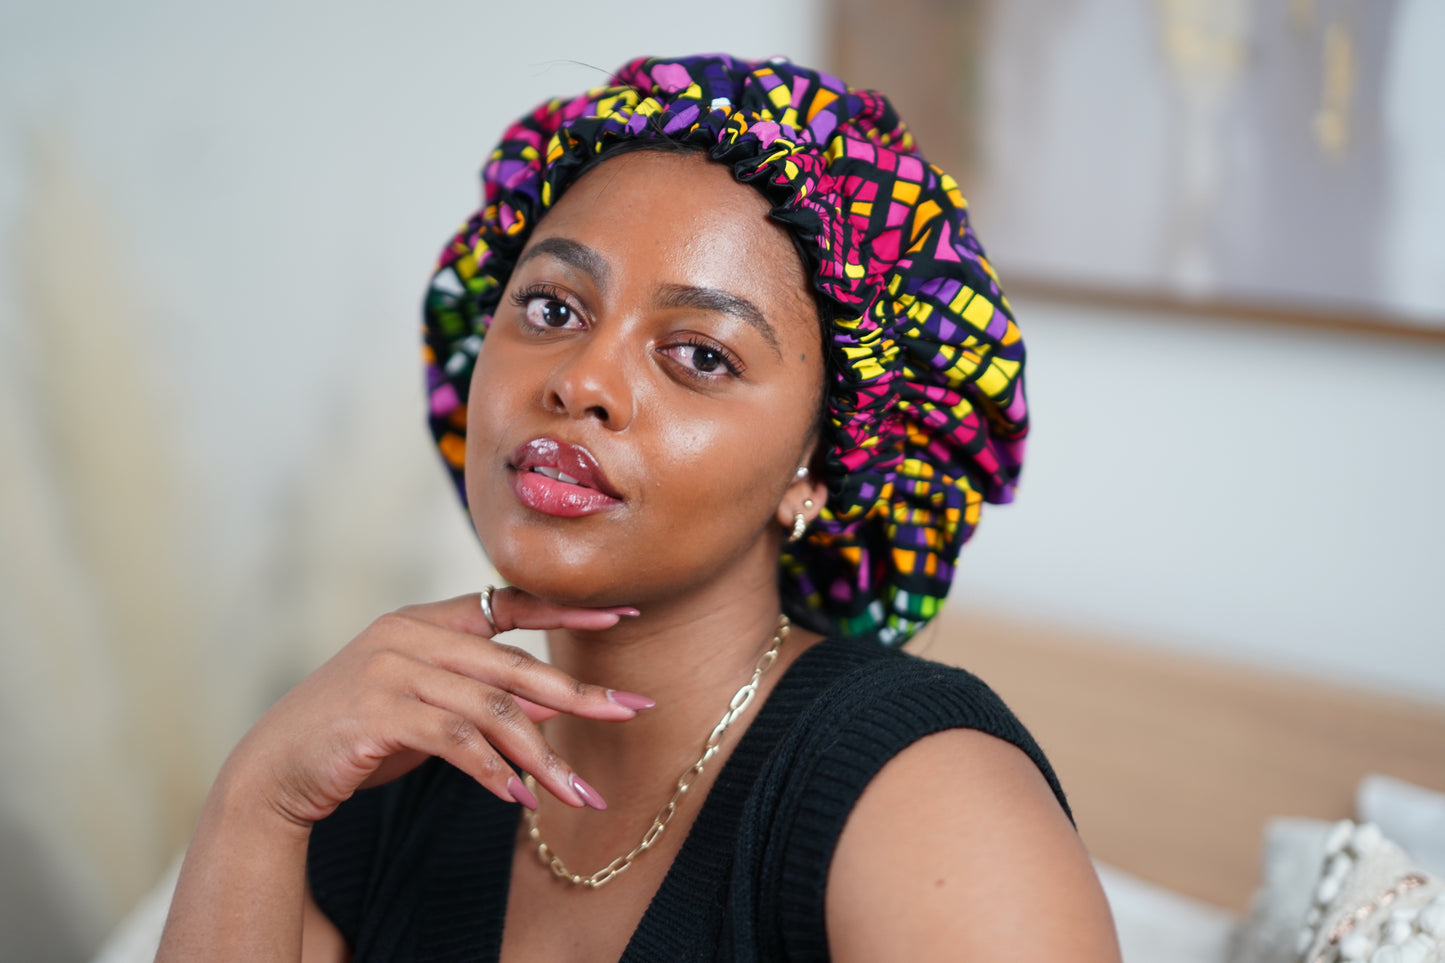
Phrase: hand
(423, 681)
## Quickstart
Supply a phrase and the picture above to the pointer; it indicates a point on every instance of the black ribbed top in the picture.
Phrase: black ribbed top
(419, 869)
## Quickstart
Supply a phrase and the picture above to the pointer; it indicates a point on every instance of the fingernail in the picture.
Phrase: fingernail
(630, 700)
(521, 793)
(626, 610)
(588, 795)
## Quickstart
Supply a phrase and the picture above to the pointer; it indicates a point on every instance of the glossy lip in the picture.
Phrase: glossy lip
(591, 492)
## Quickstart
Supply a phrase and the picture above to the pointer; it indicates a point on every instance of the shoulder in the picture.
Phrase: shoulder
(884, 701)
(916, 815)
(958, 848)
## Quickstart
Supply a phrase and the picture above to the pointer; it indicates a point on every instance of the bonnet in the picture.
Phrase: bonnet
(925, 415)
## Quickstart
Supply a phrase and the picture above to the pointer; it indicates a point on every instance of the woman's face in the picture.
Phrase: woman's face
(647, 390)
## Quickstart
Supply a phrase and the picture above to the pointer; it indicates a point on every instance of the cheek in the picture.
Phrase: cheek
(497, 389)
(731, 465)
(486, 386)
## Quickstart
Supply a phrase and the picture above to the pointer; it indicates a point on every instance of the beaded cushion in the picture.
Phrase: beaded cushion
(1342, 893)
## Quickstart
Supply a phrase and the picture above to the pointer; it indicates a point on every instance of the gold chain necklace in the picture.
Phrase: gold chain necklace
(736, 707)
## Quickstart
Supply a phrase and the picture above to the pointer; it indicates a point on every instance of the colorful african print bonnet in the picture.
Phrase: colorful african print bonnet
(925, 410)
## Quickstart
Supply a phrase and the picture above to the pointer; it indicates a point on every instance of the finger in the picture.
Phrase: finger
(527, 677)
(394, 766)
(439, 732)
(534, 712)
(504, 666)
(460, 614)
(514, 609)
(502, 723)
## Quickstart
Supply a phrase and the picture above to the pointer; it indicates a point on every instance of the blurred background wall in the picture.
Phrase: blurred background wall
(215, 225)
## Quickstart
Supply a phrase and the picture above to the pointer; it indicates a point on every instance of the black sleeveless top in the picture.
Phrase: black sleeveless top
(419, 869)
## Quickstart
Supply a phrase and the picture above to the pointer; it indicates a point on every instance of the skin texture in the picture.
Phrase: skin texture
(700, 483)
(984, 866)
(661, 321)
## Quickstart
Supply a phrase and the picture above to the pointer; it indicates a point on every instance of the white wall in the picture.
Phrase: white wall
(1230, 487)
(1259, 493)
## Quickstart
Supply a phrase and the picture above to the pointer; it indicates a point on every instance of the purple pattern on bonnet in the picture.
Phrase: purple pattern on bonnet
(926, 411)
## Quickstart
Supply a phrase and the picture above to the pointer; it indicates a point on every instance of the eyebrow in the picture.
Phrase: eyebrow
(571, 253)
(721, 302)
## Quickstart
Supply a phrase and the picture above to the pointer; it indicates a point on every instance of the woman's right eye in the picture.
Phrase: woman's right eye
(545, 308)
(546, 313)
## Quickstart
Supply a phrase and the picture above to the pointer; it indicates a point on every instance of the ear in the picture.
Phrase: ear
(804, 488)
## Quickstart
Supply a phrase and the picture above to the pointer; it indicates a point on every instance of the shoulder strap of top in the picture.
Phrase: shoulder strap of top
(816, 774)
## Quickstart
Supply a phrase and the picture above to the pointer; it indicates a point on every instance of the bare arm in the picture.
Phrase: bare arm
(425, 681)
(321, 941)
(957, 850)
(243, 883)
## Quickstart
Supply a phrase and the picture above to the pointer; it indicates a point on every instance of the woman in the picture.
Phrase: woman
(752, 325)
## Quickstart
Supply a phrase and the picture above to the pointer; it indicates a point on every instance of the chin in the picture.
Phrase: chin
(566, 576)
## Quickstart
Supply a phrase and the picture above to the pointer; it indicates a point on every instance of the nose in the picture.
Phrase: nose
(589, 382)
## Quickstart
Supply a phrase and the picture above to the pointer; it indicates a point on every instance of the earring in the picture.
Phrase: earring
(800, 521)
(800, 525)
(801, 473)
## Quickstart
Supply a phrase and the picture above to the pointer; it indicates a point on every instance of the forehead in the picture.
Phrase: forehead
(678, 219)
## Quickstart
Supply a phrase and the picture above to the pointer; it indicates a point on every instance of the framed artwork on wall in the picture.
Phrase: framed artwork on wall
(1277, 157)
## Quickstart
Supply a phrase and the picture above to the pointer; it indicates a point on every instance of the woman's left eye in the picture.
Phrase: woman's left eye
(704, 360)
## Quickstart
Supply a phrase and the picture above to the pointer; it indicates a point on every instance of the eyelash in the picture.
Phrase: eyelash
(550, 292)
(729, 360)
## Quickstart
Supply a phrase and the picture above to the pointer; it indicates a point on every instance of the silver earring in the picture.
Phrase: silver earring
(801, 472)
(800, 525)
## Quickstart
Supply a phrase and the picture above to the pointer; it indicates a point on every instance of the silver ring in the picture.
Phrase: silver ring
(486, 600)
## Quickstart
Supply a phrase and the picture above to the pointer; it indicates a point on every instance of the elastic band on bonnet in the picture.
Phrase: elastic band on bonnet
(926, 415)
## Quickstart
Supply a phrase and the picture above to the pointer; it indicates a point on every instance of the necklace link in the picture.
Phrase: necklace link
(737, 705)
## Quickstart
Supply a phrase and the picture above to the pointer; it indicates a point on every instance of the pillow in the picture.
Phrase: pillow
(1362, 899)
(1294, 850)
(1410, 815)
(1158, 925)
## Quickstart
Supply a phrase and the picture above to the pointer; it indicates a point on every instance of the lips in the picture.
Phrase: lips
(560, 479)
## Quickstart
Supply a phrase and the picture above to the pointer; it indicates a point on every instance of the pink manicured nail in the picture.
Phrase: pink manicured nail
(630, 700)
(626, 610)
(589, 795)
(521, 793)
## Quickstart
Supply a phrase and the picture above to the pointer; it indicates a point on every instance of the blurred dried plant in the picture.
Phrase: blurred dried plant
(135, 643)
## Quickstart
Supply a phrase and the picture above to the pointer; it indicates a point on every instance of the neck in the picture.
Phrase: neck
(691, 656)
